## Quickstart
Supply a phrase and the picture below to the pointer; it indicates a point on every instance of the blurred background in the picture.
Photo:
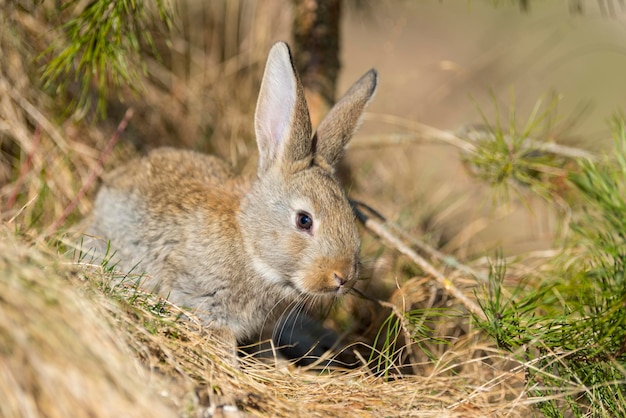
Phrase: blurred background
(442, 64)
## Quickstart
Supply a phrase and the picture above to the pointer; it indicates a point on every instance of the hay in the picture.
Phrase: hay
(59, 357)
(74, 346)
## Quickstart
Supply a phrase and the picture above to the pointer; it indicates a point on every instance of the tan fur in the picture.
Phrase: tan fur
(229, 247)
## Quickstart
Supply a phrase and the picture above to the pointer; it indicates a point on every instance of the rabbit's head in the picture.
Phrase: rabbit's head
(296, 223)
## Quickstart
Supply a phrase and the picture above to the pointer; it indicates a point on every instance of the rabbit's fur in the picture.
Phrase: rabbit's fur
(235, 250)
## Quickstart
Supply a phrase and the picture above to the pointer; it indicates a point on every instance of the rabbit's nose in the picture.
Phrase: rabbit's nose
(344, 285)
(339, 278)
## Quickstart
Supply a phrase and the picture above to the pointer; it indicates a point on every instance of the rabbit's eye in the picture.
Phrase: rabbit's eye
(304, 221)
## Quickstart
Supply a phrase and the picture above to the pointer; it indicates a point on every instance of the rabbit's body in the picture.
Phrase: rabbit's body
(164, 234)
(237, 250)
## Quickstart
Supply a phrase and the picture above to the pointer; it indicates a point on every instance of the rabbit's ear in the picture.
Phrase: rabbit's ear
(343, 119)
(281, 122)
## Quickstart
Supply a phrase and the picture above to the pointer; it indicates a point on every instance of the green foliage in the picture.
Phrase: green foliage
(412, 326)
(507, 157)
(509, 313)
(101, 49)
(388, 335)
(571, 330)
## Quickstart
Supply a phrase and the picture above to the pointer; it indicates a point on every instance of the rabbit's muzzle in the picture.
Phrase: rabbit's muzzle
(330, 278)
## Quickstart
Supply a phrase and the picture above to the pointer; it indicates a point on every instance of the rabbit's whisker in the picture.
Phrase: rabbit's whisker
(268, 315)
(292, 308)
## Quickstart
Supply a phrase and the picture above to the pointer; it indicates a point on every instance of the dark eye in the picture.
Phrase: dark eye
(304, 221)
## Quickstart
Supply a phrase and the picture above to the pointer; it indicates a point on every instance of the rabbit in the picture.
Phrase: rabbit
(237, 250)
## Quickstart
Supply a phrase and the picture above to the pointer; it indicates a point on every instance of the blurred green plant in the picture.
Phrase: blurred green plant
(510, 158)
(570, 330)
(101, 49)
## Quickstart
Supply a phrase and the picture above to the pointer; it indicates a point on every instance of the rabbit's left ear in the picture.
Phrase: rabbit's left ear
(344, 118)
(282, 123)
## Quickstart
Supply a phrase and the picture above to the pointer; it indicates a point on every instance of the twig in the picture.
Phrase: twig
(392, 240)
(22, 209)
(420, 132)
(39, 118)
(24, 169)
(94, 172)
(448, 260)
(558, 149)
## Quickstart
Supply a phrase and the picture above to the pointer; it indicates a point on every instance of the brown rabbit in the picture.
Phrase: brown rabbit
(236, 250)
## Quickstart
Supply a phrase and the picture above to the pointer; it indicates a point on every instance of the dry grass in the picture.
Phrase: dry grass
(73, 346)
(61, 355)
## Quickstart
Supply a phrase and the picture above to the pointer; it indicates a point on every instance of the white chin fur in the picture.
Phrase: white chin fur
(272, 276)
(266, 271)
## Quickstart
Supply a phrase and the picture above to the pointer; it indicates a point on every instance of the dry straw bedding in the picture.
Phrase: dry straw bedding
(72, 347)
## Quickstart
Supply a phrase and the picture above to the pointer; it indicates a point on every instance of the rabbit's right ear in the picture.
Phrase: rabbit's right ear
(281, 121)
(344, 118)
